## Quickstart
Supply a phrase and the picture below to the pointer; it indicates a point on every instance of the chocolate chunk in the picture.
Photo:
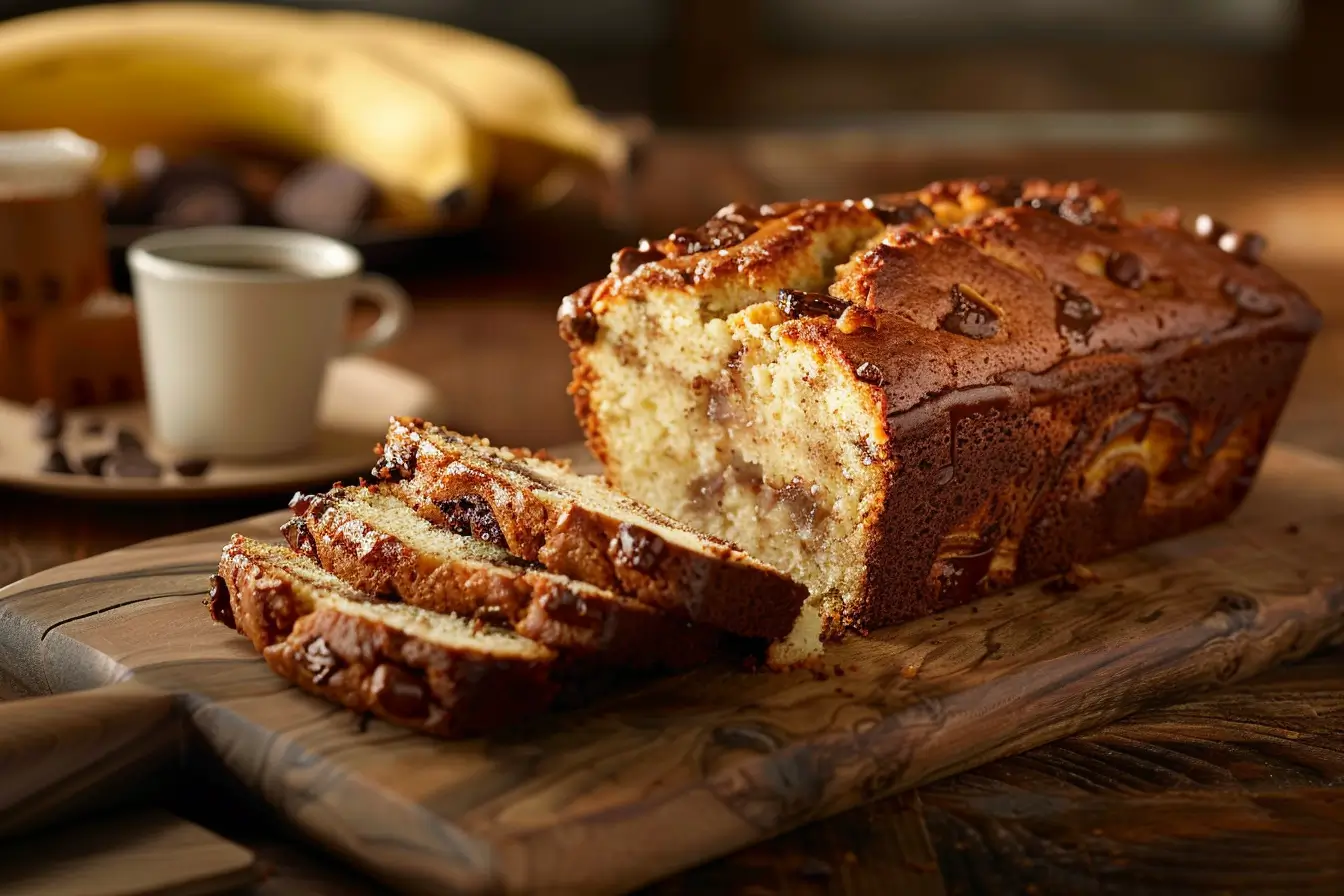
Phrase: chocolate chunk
(1076, 210)
(629, 260)
(1209, 228)
(132, 465)
(301, 503)
(1043, 203)
(686, 241)
(326, 196)
(637, 548)
(959, 576)
(1126, 269)
(190, 469)
(796, 303)
(94, 464)
(56, 462)
(720, 233)
(894, 215)
(1246, 246)
(299, 537)
(221, 610)
(970, 316)
(194, 194)
(397, 463)
(126, 440)
(868, 372)
(50, 421)
(399, 693)
(1251, 299)
(578, 322)
(1001, 192)
(1075, 314)
(320, 662)
(565, 606)
(470, 515)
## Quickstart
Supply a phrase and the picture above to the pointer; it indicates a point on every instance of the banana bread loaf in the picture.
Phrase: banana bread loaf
(907, 400)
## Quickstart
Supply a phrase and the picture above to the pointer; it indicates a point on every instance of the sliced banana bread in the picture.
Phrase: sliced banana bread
(376, 543)
(439, 673)
(578, 527)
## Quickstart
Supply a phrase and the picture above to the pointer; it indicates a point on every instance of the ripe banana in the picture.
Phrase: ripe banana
(182, 74)
(519, 97)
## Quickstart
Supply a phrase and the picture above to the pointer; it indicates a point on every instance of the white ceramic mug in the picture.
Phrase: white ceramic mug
(237, 327)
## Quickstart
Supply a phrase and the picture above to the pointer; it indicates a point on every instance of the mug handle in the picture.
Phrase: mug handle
(394, 313)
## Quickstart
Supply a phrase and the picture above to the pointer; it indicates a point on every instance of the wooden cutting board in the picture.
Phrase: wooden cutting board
(688, 768)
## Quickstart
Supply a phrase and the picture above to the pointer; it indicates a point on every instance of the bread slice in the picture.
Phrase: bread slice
(578, 527)
(374, 542)
(438, 673)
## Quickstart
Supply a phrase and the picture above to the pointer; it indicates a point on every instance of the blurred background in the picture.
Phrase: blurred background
(1231, 107)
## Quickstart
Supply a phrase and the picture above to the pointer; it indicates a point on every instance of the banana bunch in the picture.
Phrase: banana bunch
(436, 117)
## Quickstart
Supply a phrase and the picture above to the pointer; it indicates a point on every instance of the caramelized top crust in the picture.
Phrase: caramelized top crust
(963, 283)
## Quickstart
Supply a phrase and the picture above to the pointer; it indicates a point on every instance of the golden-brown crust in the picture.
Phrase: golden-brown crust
(368, 666)
(537, 606)
(714, 585)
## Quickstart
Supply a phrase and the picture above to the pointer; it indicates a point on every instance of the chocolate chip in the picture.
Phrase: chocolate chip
(1209, 228)
(397, 463)
(1126, 269)
(94, 426)
(868, 372)
(300, 538)
(56, 462)
(637, 548)
(629, 260)
(320, 662)
(132, 465)
(796, 303)
(128, 441)
(1076, 210)
(1247, 246)
(50, 420)
(399, 693)
(1251, 299)
(1075, 313)
(221, 610)
(94, 464)
(970, 316)
(191, 468)
(471, 516)
(894, 215)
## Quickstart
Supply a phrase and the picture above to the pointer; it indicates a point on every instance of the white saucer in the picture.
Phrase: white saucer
(359, 396)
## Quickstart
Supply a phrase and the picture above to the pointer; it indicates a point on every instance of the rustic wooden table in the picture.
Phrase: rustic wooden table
(1239, 791)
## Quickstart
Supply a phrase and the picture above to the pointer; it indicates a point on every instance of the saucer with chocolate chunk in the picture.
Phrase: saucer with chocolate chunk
(109, 451)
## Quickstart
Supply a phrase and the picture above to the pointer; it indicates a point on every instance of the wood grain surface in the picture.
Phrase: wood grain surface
(659, 779)
(70, 753)
(146, 853)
